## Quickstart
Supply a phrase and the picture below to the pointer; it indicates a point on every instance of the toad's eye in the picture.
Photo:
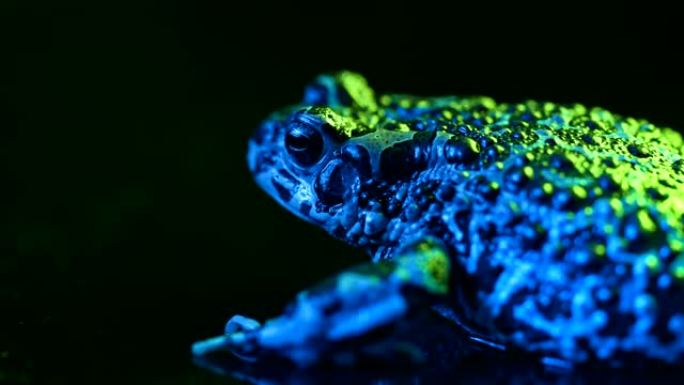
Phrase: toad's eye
(304, 144)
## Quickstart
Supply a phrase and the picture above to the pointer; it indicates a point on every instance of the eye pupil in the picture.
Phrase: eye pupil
(304, 144)
(298, 142)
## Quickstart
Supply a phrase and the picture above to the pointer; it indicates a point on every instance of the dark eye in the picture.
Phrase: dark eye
(304, 144)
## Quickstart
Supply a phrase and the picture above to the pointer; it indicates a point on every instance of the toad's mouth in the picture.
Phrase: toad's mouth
(297, 197)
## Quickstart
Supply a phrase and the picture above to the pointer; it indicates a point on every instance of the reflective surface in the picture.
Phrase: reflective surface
(45, 350)
(470, 371)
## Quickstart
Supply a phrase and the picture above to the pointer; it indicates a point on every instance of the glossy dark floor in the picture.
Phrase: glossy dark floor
(134, 345)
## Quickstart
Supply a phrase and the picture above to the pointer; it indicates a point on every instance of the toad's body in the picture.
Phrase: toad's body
(555, 229)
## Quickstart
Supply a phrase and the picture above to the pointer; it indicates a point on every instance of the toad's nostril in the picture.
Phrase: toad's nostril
(265, 133)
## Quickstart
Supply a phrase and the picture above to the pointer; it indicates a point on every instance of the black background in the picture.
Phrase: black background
(132, 224)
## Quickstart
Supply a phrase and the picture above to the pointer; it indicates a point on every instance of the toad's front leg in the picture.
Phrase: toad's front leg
(378, 312)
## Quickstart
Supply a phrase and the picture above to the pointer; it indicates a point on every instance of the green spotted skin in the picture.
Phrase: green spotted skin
(563, 222)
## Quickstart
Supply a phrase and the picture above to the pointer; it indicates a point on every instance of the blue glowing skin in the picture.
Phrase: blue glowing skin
(554, 230)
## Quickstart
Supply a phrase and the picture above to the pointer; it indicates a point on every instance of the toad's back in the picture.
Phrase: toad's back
(567, 221)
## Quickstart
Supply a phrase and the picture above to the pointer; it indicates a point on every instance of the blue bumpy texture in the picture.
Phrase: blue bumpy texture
(563, 223)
